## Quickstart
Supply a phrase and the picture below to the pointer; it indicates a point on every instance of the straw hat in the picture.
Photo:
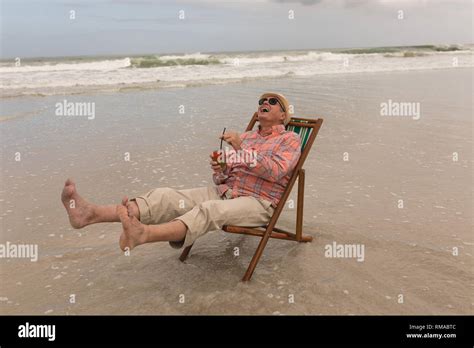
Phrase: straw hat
(283, 101)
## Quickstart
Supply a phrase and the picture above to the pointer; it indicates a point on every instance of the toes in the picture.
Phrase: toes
(124, 201)
(69, 182)
(69, 188)
(67, 193)
(122, 213)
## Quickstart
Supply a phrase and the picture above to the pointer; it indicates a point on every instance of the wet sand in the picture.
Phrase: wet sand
(408, 251)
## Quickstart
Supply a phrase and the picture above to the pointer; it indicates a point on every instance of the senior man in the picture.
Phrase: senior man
(244, 193)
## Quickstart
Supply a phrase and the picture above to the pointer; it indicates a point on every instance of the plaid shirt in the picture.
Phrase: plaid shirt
(277, 152)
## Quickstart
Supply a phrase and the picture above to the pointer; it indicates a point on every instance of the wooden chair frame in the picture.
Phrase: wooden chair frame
(270, 231)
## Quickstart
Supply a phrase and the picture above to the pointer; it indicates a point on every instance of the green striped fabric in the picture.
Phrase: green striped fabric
(303, 132)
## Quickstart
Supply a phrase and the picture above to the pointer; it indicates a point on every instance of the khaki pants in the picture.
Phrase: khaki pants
(201, 210)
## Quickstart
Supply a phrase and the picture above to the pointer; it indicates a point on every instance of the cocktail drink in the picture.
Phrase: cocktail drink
(215, 156)
(218, 156)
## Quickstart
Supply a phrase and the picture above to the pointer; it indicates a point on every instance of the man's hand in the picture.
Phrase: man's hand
(215, 166)
(233, 139)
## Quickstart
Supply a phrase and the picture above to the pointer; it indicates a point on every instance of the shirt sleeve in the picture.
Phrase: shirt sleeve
(280, 162)
(226, 172)
(216, 180)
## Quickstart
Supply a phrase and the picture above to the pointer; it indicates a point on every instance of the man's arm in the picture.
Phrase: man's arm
(217, 170)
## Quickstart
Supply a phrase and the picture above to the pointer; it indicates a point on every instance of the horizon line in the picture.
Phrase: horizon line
(124, 55)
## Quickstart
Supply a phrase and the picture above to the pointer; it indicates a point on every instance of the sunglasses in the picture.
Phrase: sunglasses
(271, 101)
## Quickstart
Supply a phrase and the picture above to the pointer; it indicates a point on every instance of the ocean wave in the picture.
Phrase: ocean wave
(398, 49)
(159, 61)
(312, 56)
(99, 65)
(406, 54)
(162, 71)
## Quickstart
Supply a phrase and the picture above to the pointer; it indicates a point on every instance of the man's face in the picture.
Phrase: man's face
(270, 114)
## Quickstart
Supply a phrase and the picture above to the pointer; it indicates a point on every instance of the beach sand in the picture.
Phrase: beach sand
(408, 251)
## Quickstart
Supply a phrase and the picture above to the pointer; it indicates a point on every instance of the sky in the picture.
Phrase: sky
(43, 28)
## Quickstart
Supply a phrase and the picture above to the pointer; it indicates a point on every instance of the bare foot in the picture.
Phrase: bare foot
(134, 232)
(80, 212)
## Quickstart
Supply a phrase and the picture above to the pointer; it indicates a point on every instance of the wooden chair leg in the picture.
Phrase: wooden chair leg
(299, 206)
(184, 254)
(257, 255)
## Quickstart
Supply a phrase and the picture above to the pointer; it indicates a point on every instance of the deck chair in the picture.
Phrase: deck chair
(307, 129)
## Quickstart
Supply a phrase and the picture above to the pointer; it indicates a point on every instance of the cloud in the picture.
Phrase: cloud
(302, 2)
(386, 3)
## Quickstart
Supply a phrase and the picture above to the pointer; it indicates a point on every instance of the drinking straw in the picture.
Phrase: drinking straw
(222, 136)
